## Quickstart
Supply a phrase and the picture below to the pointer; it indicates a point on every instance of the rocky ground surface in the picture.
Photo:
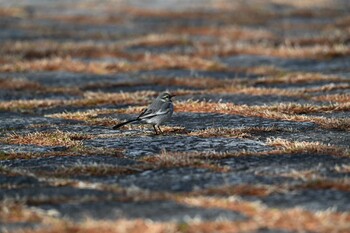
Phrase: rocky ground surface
(259, 141)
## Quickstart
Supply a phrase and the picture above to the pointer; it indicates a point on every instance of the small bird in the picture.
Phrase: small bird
(160, 110)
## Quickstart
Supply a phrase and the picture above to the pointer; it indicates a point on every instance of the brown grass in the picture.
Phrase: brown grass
(262, 217)
(71, 151)
(66, 64)
(177, 159)
(11, 212)
(235, 88)
(164, 39)
(56, 138)
(283, 51)
(48, 49)
(117, 226)
(88, 99)
(278, 111)
(335, 98)
(343, 186)
(19, 84)
(226, 32)
(92, 170)
(245, 132)
(204, 82)
(90, 117)
(293, 78)
(240, 190)
(148, 62)
(296, 147)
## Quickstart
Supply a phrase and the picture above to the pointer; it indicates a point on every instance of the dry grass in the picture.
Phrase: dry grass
(92, 170)
(11, 212)
(229, 48)
(335, 98)
(12, 12)
(19, 84)
(45, 49)
(258, 91)
(262, 217)
(246, 132)
(203, 83)
(66, 64)
(259, 217)
(147, 62)
(90, 117)
(327, 87)
(80, 115)
(163, 39)
(226, 32)
(55, 138)
(293, 108)
(88, 99)
(323, 183)
(236, 88)
(117, 226)
(296, 147)
(293, 78)
(279, 111)
(240, 190)
(70, 151)
(197, 39)
(177, 159)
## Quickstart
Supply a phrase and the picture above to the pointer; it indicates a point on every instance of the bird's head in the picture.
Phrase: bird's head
(165, 96)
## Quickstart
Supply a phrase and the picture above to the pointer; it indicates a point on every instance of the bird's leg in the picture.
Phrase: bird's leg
(160, 129)
(155, 129)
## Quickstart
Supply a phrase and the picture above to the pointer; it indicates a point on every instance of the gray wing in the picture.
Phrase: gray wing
(161, 108)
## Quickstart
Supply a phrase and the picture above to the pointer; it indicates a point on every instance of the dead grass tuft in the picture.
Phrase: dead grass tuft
(71, 151)
(325, 184)
(203, 82)
(262, 217)
(240, 190)
(165, 61)
(147, 62)
(229, 48)
(293, 78)
(11, 212)
(173, 159)
(49, 49)
(55, 138)
(88, 99)
(158, 40)
(296, 147)
(92, 170)
(226, 32)
(235, 132)
(336, 98)
(66, 64)
(19, 84)
(278, 111)
(116, 226)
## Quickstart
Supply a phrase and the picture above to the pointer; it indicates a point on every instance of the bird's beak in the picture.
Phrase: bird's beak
(171, 96)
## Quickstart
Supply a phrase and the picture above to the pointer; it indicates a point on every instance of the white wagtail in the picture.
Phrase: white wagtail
(157, 113)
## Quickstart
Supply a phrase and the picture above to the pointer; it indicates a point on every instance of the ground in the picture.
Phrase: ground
(259, 141)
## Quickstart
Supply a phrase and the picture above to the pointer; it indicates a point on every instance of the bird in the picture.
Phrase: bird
(159, 111)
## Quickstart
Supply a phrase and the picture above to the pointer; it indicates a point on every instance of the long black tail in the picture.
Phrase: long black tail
(124, 123)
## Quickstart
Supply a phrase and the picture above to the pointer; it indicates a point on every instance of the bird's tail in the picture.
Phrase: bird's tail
(124, 123)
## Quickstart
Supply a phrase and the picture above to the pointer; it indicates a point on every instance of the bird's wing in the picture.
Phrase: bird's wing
(151, 112)
(144, 111)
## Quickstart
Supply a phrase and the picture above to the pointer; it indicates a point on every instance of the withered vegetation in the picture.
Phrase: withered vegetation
(187, 48)
(55, 138)
(291, 112)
